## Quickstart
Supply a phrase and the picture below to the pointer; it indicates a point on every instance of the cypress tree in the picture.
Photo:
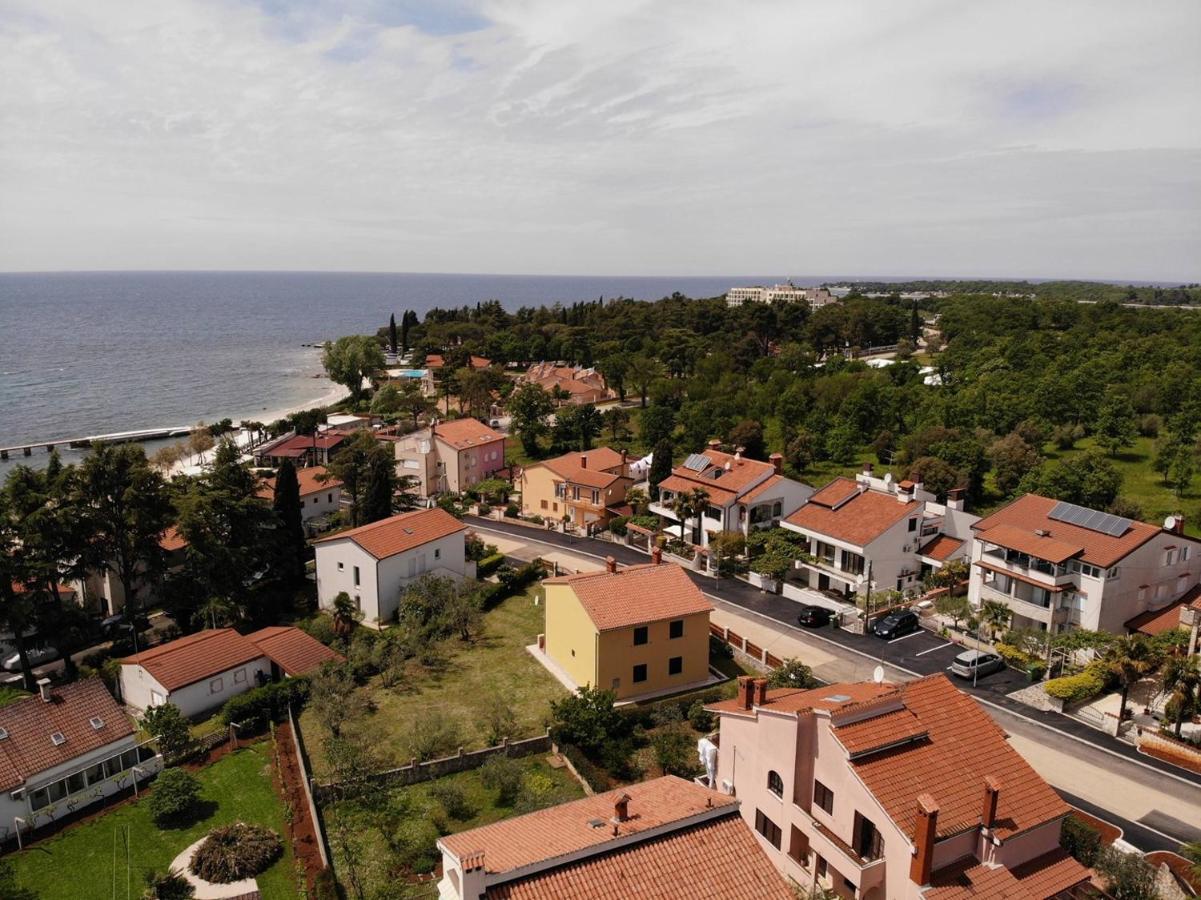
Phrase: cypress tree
(287, 506)
(392, 333)
(660, 466)
(381, 488)
(405, 324)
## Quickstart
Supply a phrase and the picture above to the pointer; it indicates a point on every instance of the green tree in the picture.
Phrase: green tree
(286, 503)
(1129, 658)
(169, 727)
(367, 470)
(688, 505)
(792, 673)
(352, 359)
(954, 607)
(617, 421)
(392, 342)
(656, 423)
(1191, 852)
(1128, 876)
(576, 427)
(1180, 680)
(387, 402)
(587, 719)
(345, 613)
(748, 434)
(411, 400)
(641, 373)
(996, 616)
(173, 797)
(675, 751)
(1117, 426)
(1012, 459)
(529, 406)
(660, 466)
(1087, 480)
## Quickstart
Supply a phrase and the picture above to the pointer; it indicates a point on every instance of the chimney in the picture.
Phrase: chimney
(955, 498)
(924, 831)
(714, 443)
(760, 691)
(867, 468)
(621, 808)
(583, 460)
(657, 556)
(777, 462)
(44, 689)
(1177, 523)
(992, 794)
(738, 451)
(610, 565)
(746, 691)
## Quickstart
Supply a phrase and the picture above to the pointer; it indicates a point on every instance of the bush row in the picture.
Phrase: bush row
(1021, 660)
(596, 777)
(489, 564)
(1080, 687)
(267, 703)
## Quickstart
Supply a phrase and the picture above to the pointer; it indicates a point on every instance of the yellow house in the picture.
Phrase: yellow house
(636, 631)
(581, 486)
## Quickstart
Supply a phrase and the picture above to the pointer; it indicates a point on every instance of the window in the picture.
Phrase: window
(38, 799)
(356, 576)
(823, 797)
(640, 635)
(820, 868)
(216, 686)
(639, 673)
(777, 509)
(75, 783)
(798, 846)
(775, 783)
(437, 553)
(675, 629)
(544, 504)
(866, 839)
(341, 567)
(239, 676)
(596, 497)
(1184, 553)
(329, 498)
(1169, 558)
(675, 665)
(913, 524)
(767, 828)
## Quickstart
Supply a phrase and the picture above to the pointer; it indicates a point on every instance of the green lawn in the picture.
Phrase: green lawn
(82, 862)
(471, 677)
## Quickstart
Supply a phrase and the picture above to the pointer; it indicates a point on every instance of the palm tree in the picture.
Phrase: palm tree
(1192, 852)
(345, 613)
(691, 505)
(1181, 681)
(637, 499)
(1129, 658)
(996, 616)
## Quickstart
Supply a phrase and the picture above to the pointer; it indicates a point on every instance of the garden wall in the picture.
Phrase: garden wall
(744, 650)
(416, 772)
(318, 825)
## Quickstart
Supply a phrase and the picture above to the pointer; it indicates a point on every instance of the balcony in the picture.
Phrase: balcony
(841, 856)
(1028, 566)
(658, 508)
(1024, 608)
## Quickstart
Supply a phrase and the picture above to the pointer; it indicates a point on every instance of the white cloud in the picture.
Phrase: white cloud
(634, 136)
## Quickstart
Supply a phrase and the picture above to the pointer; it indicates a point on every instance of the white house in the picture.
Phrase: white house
(200, 672)
(65, 748)
(373, 563)
(320, 493)
(1058, 566)
(874, 534)
(742, 494)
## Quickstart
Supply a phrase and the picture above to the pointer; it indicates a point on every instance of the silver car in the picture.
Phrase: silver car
(37, 656)
(976, 663)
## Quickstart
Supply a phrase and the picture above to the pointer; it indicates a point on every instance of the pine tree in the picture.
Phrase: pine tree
(392, 333)
(286, 503)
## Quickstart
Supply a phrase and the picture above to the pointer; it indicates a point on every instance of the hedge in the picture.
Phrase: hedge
(596, 777)
(1080, 687)
(489, 564)
(1021, 660)
(617, 525)
(511, 581)
(269, 702)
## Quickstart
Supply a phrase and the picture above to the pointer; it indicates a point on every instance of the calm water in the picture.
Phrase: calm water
(91, 353)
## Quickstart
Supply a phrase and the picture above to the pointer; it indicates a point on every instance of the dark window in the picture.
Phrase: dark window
(640, 635)
(913, 524)
(767, 828)
(819, 868)
(823, 797)
(356, 576)
(775, 783)
(675, 629)
(866, 839)
(675, 665)
(639, 673)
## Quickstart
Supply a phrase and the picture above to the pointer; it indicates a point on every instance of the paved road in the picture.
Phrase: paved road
(1081, 762)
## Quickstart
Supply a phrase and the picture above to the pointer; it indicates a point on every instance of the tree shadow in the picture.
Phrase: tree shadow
(199, 812)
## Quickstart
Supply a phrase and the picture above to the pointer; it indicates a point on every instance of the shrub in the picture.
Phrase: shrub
(319, 627)
(536, 519)
(174, 797)
(269, 702)
(169, 885)
(431, 735)
(234, 852)
(650, 523)
(792, 674)
(453, 800)
(617, 525)
(699, 717)
(587, 719)
(719, 649)
(489, 564)
(587, 769)
(413, 845)
(675, 752)
(1080, 687)
(512, 511)
(484, 509)
(1128, 876)
(1080, 839)
(504, 776)
(169, 726)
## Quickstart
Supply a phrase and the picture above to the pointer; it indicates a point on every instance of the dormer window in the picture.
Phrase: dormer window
(58, 739)
(3, 733)
(96, 722)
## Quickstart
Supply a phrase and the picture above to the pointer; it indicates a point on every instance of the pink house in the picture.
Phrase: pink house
(891, 791)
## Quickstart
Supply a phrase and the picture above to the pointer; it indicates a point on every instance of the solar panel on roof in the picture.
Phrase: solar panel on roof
(698, 462)
(1093, 520)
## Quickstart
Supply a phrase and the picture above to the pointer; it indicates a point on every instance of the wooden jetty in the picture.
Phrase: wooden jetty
(119, 437)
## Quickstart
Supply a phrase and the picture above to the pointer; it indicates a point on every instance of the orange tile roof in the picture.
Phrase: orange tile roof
(858, 520)
(190, 659)
(172, 540)
(759, 490)
(1023, 541)
(889, 729)
(1040, 878)
(717, 496)
(300, 444)
(941, 548)
(1030, 513)
(292, 650)
(836, 492)
(464, 434)
(1157, 621)
(717, 859)
(635, 595)
(28, 748)
(742, 473)
(599, 459)
(565, 829)
(397, 534)
(838, 697)
(1049, 874)
(309, 479)
(964, 746)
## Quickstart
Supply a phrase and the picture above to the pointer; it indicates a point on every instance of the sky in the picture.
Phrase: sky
(651, 137)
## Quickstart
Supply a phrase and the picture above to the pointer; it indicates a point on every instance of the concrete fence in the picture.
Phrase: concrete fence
(416, 772)
(745, 650)
(303, 757)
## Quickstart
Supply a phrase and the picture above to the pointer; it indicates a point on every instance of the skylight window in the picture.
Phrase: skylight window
(3, 733)
(837, 698)
(58, 739)
(96, 722)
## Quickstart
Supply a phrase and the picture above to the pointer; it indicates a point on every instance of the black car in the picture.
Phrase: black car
(896, 624)
(116, 625)
(814, 616)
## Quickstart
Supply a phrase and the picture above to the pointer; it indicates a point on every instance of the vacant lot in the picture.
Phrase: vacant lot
(470, 679)
(99, 858)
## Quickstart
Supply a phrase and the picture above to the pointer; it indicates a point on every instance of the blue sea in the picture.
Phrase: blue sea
(100, 352)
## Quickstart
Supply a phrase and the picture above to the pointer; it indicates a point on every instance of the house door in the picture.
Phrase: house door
(421, 562)
(823, 582)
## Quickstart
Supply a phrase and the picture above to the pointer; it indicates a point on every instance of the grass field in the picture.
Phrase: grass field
(88, 860)
(471, 676)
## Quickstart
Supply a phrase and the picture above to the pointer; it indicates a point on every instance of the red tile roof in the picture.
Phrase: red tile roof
(28, 748)
(715, 860)
(941, 548)
(834, 697)
(635, 595)
(310, 480)
(396, 534)
(886, 730)
(1023, 541)
(1047, 875)
(1043, 877)
(1157, 621)
(300, 444)
(858, 520)
(736, 475)
(172, 540)
(1029, 513)
(292, 650)
(463, 434)
(196, 657)
(759, 490)
(717, 496)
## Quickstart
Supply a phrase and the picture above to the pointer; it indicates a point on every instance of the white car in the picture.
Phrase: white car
(37, 656)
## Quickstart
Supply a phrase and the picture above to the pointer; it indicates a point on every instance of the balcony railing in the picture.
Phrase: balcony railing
(1026, 608)
(1024, 564)
(866, 873)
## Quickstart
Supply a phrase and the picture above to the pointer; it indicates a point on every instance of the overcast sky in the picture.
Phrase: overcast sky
(899, 137)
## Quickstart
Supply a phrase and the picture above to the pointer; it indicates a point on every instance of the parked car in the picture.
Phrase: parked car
(814, 616)
(976, 663)
(37, 656)
(113, 626)
(896, 624)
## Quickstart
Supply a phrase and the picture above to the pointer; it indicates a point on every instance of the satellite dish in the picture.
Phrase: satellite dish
(878, 675)
(888, 478)
(1169, 524)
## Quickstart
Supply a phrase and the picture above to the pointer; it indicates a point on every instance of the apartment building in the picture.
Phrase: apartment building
(580, 486)
(581, 385)
(1058, 566)
(742, 494)
(782, 293)
(875, 534)
(450, 456)
(320, 492)
(874, 791)
(663, 839)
